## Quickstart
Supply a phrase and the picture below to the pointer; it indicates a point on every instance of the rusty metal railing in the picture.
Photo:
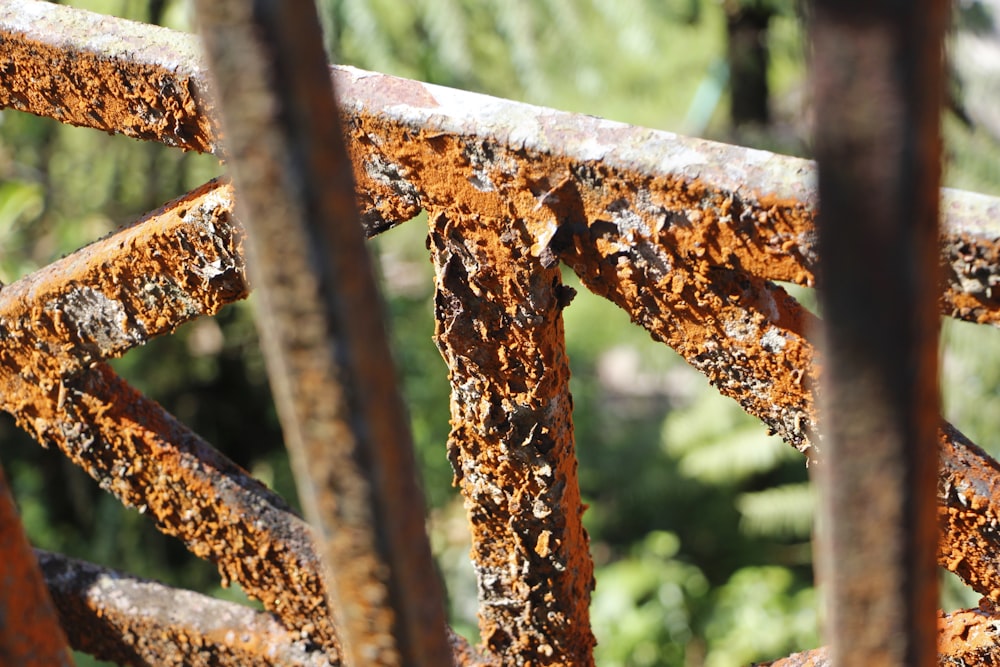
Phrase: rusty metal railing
(685, 235)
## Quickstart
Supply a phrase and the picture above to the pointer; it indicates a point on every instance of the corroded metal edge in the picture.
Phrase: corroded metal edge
(174, 264)
(116, 616)
(57, 324)
(107, 73)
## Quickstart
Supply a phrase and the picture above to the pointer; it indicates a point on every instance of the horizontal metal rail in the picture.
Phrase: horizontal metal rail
(125, 619)
(721, 205)
(683, 234)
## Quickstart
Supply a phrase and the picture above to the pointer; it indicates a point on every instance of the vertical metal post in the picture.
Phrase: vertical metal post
(877, 73)
(320, 317)
(500, 328)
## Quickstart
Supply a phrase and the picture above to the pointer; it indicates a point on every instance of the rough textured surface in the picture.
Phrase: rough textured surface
(55, 325)
(499, 327)
(629, 207)
(30, 635)
(176, 263)
(150, 82)
(969, 513)
(96, 71)
(131, 621)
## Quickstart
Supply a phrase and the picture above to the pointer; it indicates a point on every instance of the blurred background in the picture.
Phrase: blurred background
(700, 523)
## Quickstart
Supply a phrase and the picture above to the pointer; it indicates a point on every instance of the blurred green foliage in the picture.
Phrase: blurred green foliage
(700, 523)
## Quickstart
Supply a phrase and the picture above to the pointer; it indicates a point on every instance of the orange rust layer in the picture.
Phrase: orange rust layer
(179, 262)
(30, 634)
(969, 512)
(115, 616)
(95, 71)
(182, 261)
(746, 334)
(499, 327)
(146, 83)
(137, 451)
(665, 274)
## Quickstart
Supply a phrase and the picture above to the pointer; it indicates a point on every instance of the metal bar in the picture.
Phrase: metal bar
(136, 450)
(106, 73)
(30, 634)
(321, 325)
(179, 262)
(727, 205)
(57, 323)
(499, 327)
(965, 638)
(121, 618)
(748, 337)
(878, 79)
(411, 168)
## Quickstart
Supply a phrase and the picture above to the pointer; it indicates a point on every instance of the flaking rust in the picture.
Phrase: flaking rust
(179, 262)
(58, 323)
(140, 453)
(499, 327)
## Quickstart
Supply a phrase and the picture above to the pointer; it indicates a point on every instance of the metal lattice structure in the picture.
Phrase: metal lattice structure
(684, 235)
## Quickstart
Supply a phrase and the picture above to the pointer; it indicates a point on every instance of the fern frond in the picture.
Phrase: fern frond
(781, 511)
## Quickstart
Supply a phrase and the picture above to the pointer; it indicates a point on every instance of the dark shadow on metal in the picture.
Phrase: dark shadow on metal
(877, 75)
(321, 322)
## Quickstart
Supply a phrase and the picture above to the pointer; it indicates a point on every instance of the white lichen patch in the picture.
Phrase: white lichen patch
(773, 340)
(96, 319)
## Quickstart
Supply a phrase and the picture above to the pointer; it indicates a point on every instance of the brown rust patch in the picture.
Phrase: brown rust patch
(972, 271)
(499, 327)
(969, 512)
